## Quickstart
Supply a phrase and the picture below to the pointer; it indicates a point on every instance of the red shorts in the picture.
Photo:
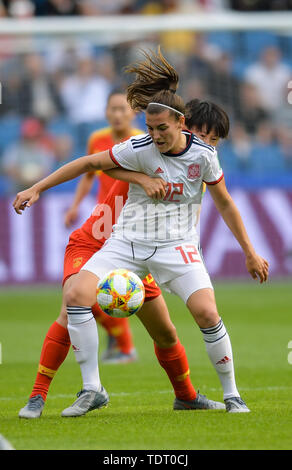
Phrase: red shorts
(77, 253)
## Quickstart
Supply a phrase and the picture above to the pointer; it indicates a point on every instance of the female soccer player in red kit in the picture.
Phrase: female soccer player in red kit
(120, 116)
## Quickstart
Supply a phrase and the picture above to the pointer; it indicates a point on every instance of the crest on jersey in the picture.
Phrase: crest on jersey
(194, 171)
(77, 262)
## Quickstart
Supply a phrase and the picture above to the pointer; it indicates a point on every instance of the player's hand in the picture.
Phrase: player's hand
(71, 216)
(25, 199)
(154, 187)
(258, 267)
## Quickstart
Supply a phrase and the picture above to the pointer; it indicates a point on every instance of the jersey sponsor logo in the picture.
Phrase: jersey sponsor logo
(77, 262)
(159, 170)
(194, 171)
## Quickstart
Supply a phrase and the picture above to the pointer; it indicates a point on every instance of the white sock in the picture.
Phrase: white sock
(84, 338)
(219, 350)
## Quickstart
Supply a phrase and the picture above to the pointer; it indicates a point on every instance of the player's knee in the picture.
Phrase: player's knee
(166, 338)
(206, 317)
(77, 296)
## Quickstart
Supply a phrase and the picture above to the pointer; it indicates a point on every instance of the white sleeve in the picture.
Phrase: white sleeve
(124, 156)
(213, 172)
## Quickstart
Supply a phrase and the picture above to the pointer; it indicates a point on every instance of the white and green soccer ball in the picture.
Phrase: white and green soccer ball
(120, 293)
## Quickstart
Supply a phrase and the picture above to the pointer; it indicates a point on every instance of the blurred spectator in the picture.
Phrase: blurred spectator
(20, 8)
(84, 96)
(266, 155)
(62, 55)
(59, 8)
(194, 88)
(213, 5)
(63, 146)
(105, 68)
(11, 94)
(223, 87)
(236, 151)
(260, 5)
(270, 76)
(30, 159)
(250, 111)
(85, 93)
(202, 58)
(3, 11)
(108, 7)
(39, 95)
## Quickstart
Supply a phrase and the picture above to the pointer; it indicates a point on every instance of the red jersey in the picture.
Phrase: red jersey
(99, 141)
(98, 227)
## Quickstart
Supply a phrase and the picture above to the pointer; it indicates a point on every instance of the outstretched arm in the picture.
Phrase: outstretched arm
(256, 265)
(153, 187)
(98, 161)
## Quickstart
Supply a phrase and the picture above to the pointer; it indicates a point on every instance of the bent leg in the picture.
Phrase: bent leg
(202, 305)
(169, 351)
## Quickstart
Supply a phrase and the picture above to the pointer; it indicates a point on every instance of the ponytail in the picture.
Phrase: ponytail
(156, 81)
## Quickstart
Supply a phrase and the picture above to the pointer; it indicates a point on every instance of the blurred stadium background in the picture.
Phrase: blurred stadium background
(60, 59)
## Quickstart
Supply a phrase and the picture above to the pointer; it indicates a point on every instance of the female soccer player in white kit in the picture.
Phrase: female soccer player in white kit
(158, 236)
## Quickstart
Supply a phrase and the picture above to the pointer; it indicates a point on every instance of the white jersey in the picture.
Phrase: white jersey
(146, 221)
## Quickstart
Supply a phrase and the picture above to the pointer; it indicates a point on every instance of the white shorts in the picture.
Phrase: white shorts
(178, 268)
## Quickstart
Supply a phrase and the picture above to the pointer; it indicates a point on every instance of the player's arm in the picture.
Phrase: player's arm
(153, 187)
(256, 265)
(83, 188)
(89, 163)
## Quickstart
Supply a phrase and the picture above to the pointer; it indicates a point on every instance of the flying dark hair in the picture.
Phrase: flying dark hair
(156, 81)
(205, 113)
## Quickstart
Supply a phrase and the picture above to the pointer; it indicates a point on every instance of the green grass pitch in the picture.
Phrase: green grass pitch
(140, 415)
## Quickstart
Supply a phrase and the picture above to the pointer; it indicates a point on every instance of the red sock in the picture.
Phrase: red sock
(117, 327)
(54, 351)
(174, 361)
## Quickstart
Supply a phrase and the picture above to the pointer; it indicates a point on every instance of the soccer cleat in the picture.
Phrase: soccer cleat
(201, 402)
(87, 400)
(235, 405)
(5, 444)
(33, 408)
(118, 357)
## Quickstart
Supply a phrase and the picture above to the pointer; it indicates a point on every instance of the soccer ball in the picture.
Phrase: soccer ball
(120, 293)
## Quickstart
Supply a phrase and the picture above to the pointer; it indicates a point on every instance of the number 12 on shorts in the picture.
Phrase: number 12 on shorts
(189, 253)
